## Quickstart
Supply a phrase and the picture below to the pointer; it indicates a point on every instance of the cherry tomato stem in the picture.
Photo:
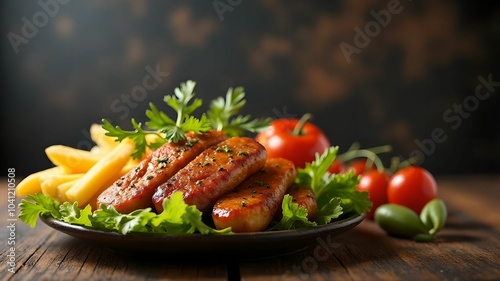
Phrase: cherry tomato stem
(397, 164)
(297, 130)
(395, 161)
(370, 154)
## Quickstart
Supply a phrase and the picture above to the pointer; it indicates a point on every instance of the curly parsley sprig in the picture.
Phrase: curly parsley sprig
(161, 124)
(332, 190)
(336, 194)
(222, 115)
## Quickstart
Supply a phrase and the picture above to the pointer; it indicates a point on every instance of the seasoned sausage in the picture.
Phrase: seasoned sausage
(214, 172)
(134, 190)
(304, 197)
(251, 206)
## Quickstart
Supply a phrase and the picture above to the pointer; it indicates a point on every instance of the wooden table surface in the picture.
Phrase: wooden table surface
(467, 249)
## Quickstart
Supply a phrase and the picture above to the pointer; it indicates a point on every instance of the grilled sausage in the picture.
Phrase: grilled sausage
(304, 197)
(214, 172)
(251, 206)
(134, 190)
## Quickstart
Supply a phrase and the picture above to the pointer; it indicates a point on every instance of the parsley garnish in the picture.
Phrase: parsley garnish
(294, 216)
(223, 114)
(161, 124)
(332, 190)
(336, 195)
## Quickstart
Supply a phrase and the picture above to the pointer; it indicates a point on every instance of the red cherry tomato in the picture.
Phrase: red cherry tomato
(280, 141)
(337, 167)
(375, 183)
(359, 167)
(412, 187)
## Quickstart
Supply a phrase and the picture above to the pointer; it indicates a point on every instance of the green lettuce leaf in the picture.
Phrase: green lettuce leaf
(336, 194)
(294, 216)
(328, 211)
(177, 217)
(71, 213)
(37, 205)
(343, 186)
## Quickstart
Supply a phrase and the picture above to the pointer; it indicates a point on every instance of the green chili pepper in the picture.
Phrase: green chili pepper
(402, 221)
(424, 237)
(434, 215)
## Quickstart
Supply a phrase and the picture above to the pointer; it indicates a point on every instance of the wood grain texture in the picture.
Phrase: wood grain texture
(48, 255)
(468, 248)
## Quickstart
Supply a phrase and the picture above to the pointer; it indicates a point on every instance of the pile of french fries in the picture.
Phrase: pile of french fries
(81, 175)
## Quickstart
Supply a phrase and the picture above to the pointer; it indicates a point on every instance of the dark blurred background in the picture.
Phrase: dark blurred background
(365, 77)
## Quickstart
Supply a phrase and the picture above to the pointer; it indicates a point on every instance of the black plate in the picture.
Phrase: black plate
(250, 245)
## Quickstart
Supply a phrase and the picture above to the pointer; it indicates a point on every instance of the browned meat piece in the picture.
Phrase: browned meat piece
(134, 190)
(251, 206)
(304, 197)
(214, 172)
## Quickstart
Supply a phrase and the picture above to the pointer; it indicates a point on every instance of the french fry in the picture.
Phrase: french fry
(50, 183)
(48, 189)
(93, 200)
(74, 167)
(31, 184)
(72, 160)
(104, 171)
(152, 138)
(62, 188)
(98, 135)
(96, 150)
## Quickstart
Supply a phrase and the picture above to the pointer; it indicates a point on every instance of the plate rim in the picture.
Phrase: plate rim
(59, 225)
(244, 246)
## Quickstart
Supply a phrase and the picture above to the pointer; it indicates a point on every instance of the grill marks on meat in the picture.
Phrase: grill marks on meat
(213, 173)
(252, 205)
(134, 190)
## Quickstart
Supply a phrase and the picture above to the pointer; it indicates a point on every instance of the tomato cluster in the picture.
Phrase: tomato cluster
(299, 141)
(411, 186)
